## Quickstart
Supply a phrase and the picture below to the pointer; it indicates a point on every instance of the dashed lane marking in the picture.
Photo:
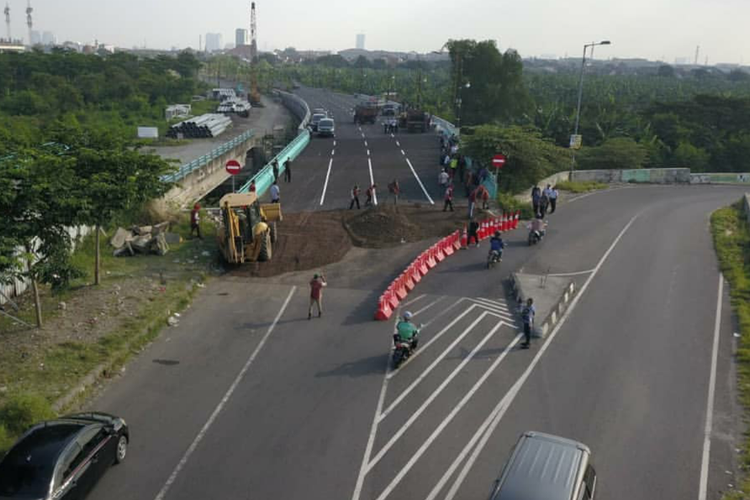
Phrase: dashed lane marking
(325, 185)
(424, 190)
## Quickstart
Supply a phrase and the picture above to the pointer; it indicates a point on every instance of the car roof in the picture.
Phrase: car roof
(319, 114)
(542, 466)
(326, 120)
(44, 442)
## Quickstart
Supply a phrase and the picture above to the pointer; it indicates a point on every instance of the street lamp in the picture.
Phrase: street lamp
(580, 96)
(459, 101)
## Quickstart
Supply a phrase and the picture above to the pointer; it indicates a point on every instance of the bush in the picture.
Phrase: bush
(23, 410)
(5, 440)
(508, 203)
(580, 186)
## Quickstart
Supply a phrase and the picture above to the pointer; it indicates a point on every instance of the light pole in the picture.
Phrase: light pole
(580, 96)
(459, 101)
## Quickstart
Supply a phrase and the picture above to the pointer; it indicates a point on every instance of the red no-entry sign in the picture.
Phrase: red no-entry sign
(498, 161)
(233, 167)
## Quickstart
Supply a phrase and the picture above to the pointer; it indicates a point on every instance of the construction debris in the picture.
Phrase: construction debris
(143, 240)
(208, 125)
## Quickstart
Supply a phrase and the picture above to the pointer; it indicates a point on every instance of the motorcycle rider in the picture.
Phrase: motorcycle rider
(497, 245)
(538, 224)
(406, 331)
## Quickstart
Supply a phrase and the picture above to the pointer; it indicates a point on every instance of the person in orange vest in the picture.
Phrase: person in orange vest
(370, 195)
(195, 221)
(354, 197)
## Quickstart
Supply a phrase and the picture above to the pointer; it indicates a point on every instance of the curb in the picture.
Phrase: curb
(555, 314)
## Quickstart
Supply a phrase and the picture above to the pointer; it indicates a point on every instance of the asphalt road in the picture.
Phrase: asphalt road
(325, 173)
(246, 398)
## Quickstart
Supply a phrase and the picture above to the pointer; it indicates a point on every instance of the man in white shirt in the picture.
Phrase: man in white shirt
(275, 193)
(553, 194)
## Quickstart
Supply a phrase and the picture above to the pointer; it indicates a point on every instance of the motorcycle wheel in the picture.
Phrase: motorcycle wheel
(398, 357)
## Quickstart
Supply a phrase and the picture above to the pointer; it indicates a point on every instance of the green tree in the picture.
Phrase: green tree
(530, 157)
(38, 202)
(617, 153)
(688, 156)
(114, 178)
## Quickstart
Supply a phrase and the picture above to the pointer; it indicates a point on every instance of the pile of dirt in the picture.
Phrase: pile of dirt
(390, 225)
(306, 240)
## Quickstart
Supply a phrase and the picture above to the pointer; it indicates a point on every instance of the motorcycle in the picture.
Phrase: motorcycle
(536, 235)
(493, 257)
(402, 350)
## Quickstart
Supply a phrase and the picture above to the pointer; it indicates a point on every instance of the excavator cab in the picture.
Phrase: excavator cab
(248, 229)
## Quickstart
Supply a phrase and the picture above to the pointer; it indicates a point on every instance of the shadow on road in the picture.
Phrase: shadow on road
(360, 368)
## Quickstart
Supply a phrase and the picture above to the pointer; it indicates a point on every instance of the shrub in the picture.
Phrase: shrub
(23, 410)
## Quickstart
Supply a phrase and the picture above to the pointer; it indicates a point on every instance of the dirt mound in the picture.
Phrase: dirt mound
(389, 225)
(306, 240)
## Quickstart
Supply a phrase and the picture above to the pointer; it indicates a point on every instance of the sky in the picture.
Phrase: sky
(652, 29)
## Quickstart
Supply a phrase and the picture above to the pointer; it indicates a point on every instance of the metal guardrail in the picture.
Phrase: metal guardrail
(264, 178)
(203, 160)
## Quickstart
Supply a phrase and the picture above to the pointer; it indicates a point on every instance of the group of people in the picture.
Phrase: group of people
(370, 192)
(390, 125)
(544, 199)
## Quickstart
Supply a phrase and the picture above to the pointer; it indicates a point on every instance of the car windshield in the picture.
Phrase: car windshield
(326, 123)
(317, 118)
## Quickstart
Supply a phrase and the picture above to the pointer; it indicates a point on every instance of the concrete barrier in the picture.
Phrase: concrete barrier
(720, 178)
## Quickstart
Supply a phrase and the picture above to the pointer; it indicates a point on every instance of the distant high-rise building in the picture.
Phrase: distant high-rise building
(240, 37)
(360, 41)
(36, 37)
(214, 42)
(49, 38)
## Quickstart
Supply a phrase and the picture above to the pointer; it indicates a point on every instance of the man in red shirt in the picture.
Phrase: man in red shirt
(252, 187)
(448, 198)
(316, 294)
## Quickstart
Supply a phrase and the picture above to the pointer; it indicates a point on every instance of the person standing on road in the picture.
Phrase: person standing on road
(316, 294)
(443, 178)
(535, 197)
(454, 167)
(543, 204)
(395, 190)
(527, 316)
(553, 194)
(275, 171)
(288, 171)
(370, 201)
(448, 198)
(195, 221)
(473, 233)
(354, 197)
(484, 196)
(275, 193)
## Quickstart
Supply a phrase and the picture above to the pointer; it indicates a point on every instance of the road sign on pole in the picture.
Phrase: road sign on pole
(498, 161)
(576, 141)
(233, 167)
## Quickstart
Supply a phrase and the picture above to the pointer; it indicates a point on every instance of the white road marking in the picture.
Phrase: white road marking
(572, 274)
(398, 144)
(363, 135)
(334, 142)
(325, 185)
(703, 487)
(368, 152)
(420, 182)
(372, 181)
(373, 432)
(402, 152)
(427, 306)
(429, 369)
(366, 144)
(183, 461)
(492, 303)
(415, 299)
(492, 421)
(333, 152)
(393, 135)
(422, 449)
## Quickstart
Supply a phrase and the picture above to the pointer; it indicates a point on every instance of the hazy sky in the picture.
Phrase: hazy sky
(637, 28)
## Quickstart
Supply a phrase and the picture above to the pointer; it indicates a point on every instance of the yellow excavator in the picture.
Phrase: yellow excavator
(248, 230)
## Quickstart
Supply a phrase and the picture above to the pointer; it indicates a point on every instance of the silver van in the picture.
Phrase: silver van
(546, 467)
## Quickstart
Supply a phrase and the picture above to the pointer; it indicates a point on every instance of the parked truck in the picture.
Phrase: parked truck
(365, 113)
(416, 120)
(248, 229)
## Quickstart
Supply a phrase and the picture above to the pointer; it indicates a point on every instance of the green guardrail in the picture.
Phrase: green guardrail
(205, 159)
(264, 178)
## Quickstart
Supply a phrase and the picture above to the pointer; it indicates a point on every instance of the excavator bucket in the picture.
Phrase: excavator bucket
(271, 211)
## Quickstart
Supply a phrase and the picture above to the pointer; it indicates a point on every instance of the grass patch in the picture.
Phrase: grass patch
(38, 367)
(732, 243)
(508, 203)
(581, 186)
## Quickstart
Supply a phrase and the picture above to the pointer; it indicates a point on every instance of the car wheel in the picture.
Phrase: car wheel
(122, 449)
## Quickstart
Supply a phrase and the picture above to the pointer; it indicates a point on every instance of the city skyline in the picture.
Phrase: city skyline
(666, 33)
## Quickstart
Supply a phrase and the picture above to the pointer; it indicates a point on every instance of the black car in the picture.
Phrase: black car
(63, 458)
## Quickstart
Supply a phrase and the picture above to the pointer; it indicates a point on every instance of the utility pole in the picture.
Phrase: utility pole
(7, 22)
(697, 53)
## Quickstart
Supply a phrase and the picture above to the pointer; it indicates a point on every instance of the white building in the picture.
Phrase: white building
(49, 38)
(360, 44)
(214, 42)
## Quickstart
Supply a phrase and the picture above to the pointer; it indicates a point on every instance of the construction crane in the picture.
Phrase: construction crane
(254, 94)
(7, 21)
(29, 22)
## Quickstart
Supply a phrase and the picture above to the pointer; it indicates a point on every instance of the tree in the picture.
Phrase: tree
(617, 153)
(115, 178)
(489, 84)
(529, 157)
(666, 71)
(688, 156)
(38, 204)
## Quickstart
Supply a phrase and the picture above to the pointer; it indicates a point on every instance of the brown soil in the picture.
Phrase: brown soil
(312, 240)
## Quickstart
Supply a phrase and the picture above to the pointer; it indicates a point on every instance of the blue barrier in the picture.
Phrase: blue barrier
(205, 159)
(264, 178)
